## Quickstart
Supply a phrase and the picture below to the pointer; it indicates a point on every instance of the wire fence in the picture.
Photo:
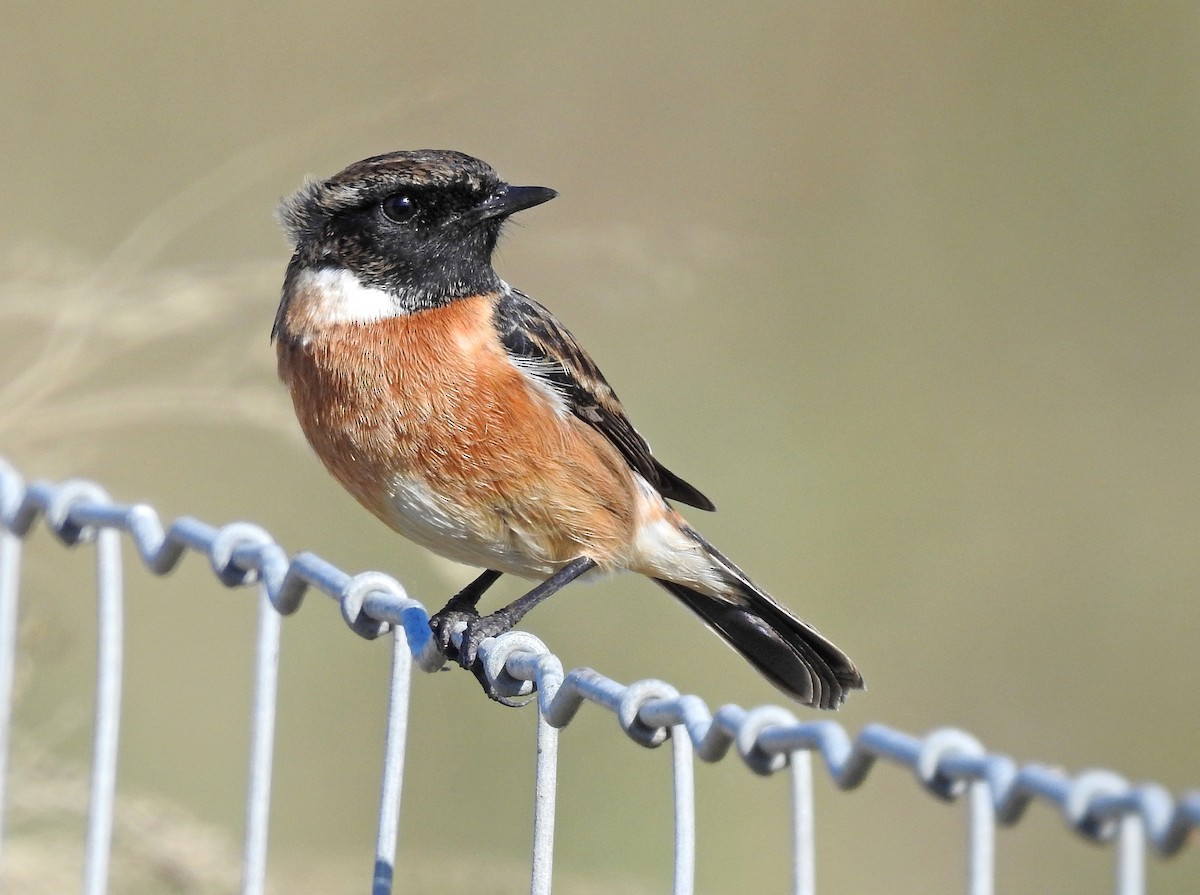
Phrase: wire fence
(1098, 805)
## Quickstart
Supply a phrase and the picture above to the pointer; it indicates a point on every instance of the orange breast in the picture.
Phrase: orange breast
(428, 424)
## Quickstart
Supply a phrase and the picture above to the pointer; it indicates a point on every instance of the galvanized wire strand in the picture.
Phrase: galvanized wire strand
(10, 577)
(392, 781)
(804, 857)
(110, 632)
(981, 844)
(545, 797)
(684, 790)
(1096, 805)
(510, 688)
(1131, 856)
(75, 511)
(262, 746)
(946, 761)
(936, 755)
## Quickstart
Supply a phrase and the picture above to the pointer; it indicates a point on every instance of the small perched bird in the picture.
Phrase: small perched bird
(460, 412)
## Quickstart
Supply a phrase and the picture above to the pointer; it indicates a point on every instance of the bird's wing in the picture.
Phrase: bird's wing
(542, 347)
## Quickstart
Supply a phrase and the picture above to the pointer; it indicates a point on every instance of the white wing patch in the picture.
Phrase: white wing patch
(537, 373)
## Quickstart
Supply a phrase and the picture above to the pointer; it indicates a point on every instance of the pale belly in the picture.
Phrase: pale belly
(483, 538)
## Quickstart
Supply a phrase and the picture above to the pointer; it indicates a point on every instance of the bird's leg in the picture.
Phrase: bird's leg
(461, 608)
(480, 628)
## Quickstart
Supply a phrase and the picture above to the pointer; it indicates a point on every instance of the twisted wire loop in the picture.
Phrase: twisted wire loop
(1097, 805)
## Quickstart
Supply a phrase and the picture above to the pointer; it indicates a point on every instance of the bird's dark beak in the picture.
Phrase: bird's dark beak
(510, 200)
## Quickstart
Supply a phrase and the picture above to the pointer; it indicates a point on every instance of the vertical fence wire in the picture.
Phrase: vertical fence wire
(393, 764)
(545, 792)
(1131, 856)
(10, 572)
(804, 860)
(110, 634)
(684, 782)
(262, 745)
(981, 848)
(948, 762)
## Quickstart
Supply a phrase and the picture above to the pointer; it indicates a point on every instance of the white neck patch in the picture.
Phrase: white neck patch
(335, 295)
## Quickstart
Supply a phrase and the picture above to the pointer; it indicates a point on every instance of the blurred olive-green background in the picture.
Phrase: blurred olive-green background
(909, 289)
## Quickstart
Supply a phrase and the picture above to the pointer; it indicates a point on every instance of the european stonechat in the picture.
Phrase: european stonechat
(461, 412)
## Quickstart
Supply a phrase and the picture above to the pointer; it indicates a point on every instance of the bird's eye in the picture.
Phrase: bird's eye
(399, 207)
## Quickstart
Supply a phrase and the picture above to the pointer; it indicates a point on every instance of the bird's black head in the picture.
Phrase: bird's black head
(420, 225)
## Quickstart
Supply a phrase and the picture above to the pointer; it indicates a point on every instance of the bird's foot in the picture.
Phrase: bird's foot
(478, 629)
(444, 623)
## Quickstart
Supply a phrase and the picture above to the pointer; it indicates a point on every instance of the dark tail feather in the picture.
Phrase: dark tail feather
(792, 654)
